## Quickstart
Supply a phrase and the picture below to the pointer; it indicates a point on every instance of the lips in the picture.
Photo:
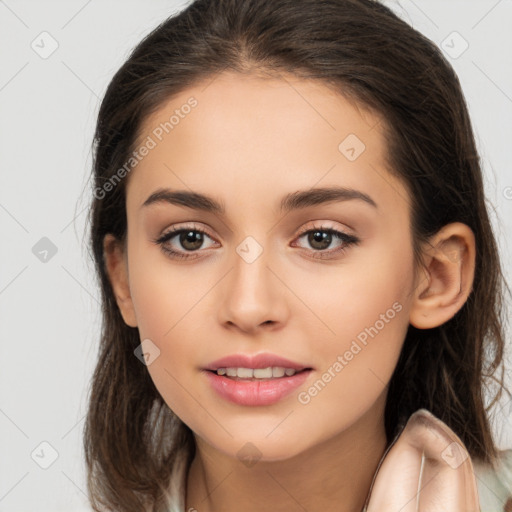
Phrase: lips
(262, 360)
(255, 392)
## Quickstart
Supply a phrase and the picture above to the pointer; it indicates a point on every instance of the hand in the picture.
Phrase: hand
(426, 469)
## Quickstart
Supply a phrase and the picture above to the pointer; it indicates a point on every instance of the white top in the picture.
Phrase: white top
(494, 487)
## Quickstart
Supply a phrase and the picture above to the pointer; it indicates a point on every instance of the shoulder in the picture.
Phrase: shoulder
(495, 484)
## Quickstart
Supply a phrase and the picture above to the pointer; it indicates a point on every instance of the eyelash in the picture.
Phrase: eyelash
(348, 240)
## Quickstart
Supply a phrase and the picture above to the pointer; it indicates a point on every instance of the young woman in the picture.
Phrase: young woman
(302, 293)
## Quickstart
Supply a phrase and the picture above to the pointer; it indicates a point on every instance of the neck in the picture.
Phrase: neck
(334, 475)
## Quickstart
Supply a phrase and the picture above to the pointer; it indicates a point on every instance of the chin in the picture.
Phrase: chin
(252, 450)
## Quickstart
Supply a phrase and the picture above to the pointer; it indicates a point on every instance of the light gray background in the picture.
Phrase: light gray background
(50, 315)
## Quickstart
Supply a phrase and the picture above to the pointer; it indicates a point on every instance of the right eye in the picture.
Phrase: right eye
(190, 238)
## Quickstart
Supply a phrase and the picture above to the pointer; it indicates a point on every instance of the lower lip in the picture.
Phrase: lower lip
(252, 392)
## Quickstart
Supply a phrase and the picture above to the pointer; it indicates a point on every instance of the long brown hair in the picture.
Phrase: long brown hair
(364, 51)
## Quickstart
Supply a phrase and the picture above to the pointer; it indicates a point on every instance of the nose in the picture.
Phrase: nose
(253, 296)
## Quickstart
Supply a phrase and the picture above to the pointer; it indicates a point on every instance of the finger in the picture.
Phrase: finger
(426, 469)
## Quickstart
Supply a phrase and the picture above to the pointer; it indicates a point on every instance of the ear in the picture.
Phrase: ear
(447, 279)
(116, 265)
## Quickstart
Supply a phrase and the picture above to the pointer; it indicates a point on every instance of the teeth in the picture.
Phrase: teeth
(244, 373)
(257, 373)
(278, 371)
(261, 373)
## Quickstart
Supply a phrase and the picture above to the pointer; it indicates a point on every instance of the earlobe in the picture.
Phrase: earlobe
(449, 267)
(116, 267)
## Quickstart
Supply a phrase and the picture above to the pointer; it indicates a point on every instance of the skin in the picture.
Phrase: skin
(250, 141)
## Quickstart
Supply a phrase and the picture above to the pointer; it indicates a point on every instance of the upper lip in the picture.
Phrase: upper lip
(263, 360)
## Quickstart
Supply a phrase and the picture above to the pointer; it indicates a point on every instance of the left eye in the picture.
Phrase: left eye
(321, 238)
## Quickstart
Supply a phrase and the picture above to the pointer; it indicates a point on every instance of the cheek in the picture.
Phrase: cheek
(360, 322)
(169, 306)
(358, 362)
(164, 294)
(366, 297)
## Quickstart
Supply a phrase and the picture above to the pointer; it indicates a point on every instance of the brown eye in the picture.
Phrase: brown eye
(320, 238)
(177, 242)
(191, 240)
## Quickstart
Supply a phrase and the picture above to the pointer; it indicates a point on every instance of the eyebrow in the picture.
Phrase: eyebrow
(294, 201)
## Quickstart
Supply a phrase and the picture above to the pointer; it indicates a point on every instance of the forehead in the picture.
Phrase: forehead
(261, 134)
(237, 103)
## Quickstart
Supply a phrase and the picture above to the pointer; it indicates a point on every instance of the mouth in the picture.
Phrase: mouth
(263, 365)
(254, 386)
(257, 374)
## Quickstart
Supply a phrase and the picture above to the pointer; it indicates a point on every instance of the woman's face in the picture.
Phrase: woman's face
(266, 276)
